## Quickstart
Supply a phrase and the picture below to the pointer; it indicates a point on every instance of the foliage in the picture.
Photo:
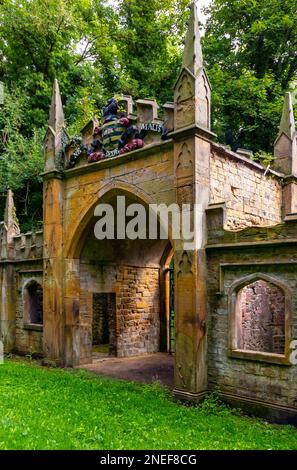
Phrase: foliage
(57, 409)
(21, 159)
(97, 48)
(94, 50)
(250, 52)
(213, 405)
(151, 35)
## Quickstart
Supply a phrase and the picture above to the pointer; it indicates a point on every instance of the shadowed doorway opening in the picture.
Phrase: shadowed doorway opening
(103, 328)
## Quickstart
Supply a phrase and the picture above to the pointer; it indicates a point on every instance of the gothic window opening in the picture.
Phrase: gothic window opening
(260, 318)
(33, 303)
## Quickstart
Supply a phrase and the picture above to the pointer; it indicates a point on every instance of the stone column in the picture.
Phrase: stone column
(76, 346)
(53, 270)
(192, 138)
(8, 231)
(53, 279)
(285, 154)
(7, 307)
(192, 151)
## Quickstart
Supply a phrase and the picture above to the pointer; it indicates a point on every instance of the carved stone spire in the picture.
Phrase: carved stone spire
(287, 125)
(56, 117)
(192, 92)
(285, 146)
(56, 132)
(10, 218)
(192, 56)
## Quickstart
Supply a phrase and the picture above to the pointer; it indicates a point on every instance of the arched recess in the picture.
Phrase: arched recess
(124, 275)
(33, 303)
(259, 312)
(76, 240)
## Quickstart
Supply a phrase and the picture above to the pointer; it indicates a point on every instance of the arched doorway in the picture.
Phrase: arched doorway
(123, 306)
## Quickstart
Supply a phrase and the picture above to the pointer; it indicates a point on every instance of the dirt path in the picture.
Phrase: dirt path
(146, 369)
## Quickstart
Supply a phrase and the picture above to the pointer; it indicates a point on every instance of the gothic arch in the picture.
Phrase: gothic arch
(32, 294)
(76, 241)
(108, 191)
(234, 296)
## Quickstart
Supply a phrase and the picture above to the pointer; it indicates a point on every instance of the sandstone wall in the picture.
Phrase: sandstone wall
(137, 322)
(242, 254)
(251, 198)
(28, 337)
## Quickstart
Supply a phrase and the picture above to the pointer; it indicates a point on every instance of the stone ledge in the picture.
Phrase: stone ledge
(259, 356)
(271, 411)
(236, 156)
(119, 160)
(252, 406)
(22, 261)
(33, 327)
(291, 218)
(251, 244)
(183, 395)
(193, 129)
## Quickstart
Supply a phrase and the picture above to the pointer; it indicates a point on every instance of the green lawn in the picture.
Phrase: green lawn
(54, 409)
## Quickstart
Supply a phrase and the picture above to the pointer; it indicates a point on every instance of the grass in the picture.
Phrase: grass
(44, 408)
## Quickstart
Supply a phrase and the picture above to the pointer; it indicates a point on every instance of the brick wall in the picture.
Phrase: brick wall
(137, 305)
(251, 198)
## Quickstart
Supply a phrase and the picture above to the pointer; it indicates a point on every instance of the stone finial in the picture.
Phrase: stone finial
(287, 125)
(10, 218)
(192, 56)
(56, 116)
(87, 131)
(56, 134)
(285, 146)
(192, 92)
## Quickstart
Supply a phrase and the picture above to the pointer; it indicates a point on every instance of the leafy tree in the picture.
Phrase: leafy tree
(250, 51)
(94, 50)
(151, 37)
(40, 40)
(21, 160)
(97, 48)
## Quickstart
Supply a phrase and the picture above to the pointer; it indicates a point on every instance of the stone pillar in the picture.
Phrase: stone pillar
(289, 195)
(7, 307)
(53, 275)
(192, 152)
(53, 270)
(8, 231)
(77, 344)
(285, 154)
(191, 162)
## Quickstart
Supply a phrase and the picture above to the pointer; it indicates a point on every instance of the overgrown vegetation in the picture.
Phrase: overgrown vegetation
(56, 409)
(97, 48)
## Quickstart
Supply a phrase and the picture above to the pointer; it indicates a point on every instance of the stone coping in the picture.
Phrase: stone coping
(236, 156)
(33, 327)
(111, 162)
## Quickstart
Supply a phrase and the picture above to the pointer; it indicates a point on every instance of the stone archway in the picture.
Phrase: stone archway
(127, 271)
